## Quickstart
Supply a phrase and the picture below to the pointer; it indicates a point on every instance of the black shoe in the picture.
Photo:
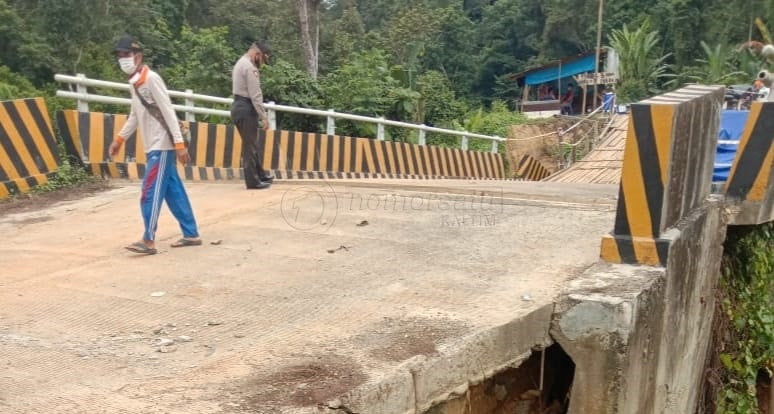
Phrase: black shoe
(267, 179)
(259, 186)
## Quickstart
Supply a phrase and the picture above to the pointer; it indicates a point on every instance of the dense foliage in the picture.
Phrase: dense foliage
(431, 61)
(748, 305)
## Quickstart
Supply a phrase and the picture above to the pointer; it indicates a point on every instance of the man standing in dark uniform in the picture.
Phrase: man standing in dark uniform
(248, 113)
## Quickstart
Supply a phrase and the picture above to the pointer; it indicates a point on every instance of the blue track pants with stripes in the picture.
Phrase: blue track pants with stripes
(162, 183)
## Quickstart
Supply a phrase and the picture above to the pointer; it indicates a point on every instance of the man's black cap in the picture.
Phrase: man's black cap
(127, 44)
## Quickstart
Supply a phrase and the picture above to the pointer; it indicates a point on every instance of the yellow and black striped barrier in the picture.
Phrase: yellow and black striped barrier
(28, 151)
(87, 136)
(291, 154)
(531, 169)
(309, 152)
(751, 180)
(667, 171)
(136, 171)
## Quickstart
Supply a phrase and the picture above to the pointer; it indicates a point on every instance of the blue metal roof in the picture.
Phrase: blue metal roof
(584, 64)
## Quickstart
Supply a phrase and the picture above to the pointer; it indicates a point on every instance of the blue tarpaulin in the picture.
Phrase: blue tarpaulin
(731, 129)
(585, 64)
(608, 101)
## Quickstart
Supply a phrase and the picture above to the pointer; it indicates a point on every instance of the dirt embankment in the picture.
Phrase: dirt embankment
(540, 139)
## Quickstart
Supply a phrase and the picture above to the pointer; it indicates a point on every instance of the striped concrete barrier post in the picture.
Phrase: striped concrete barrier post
(750, 185)
(28, 151)
(667, 171)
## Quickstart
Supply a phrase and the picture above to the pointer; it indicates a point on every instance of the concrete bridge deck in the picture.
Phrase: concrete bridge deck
(297, 302)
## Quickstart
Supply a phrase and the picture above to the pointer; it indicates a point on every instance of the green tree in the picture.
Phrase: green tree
(510, 35)
(683, 20)
(408, 34)
(567, 29)
(202, 61)
(22, 49)
(438, 105)
(346, 37)
(455, 50)
(285, 84)
(172, 12)
(641, 65)
(717, 67)
(270, 20)
(362, 86)
(15, 86)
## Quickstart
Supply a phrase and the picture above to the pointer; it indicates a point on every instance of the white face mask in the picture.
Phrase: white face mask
(127, 65)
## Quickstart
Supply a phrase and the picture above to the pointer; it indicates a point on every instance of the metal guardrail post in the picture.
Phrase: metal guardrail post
(272, 117)
(83, 106)
(494, 147)
(380, 129)
(189, 116)
(331, 127)
(422, 138)
(464, 143)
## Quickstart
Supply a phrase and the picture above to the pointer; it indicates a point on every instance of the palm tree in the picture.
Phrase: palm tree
(640, 64)
(717, 67)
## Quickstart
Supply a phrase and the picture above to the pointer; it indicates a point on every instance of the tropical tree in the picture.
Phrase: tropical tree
(454, 51)
(14, 85)
(718, 67)
(202, 60)
(362, 86)
(641, 64)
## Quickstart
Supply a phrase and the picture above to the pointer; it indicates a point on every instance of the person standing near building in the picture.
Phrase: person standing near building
(567, 101)
(248, 113)
(152, 112)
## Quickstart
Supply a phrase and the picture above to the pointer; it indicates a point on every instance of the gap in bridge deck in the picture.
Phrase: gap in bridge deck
(517, 390)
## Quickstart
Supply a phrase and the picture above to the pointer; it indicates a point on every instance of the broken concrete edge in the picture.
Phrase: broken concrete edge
(421, 383)
(482, 357)
(636, 334)
(639, 334)
(595, 322)
(601, 300)
(742, 213)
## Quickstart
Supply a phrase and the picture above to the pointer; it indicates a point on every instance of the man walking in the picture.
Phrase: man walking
(152, 112)
(248, 110)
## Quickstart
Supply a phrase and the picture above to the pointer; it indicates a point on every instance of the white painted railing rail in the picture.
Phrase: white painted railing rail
(83, 97)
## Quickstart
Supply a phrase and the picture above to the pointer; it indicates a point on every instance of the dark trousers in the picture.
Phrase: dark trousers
(246, 120)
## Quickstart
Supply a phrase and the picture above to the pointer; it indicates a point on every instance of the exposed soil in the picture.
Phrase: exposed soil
(35, 201)
(518, 390)
(544, 148)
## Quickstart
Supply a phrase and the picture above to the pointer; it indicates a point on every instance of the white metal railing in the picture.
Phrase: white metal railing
(83, 97)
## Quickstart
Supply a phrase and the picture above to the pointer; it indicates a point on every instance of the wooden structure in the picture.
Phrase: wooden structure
(577, 70)
(603, 164)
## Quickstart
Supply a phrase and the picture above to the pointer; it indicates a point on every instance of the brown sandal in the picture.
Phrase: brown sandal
(187, 242)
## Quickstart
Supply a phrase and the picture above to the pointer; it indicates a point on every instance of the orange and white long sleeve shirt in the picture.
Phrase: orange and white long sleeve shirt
(154, 135)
